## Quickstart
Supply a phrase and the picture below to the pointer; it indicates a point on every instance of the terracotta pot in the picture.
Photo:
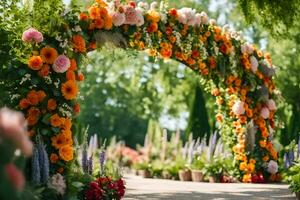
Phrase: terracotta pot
(197, 176)
(185, 175)
(145, 173)
(298, 195)
(212, 179)
(166, 175)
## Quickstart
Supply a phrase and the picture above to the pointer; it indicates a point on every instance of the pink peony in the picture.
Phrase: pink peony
(272, 167)
(140, 18)
(15, 176)
(238, 108)
(187, 16)
(198, 19)
(271, 105)
(254, 64)
(61, 64)
(118, 18)
(204, 18)
(12, 127)
(32, 35)
(265, 113)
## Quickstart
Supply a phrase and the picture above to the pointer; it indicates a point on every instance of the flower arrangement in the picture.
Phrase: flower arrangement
(239, 75)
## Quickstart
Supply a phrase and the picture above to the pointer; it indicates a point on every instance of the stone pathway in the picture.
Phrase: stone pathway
(157, 189)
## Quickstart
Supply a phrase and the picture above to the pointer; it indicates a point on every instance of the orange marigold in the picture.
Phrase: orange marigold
(70, 75)
(44, 71)
(73, 65)
(153, 27)
(24, 103)
(35, 63)
(79, 43)
(66, 153)
(33, 97)
(69, 90)
(41, 95)
(49, 55)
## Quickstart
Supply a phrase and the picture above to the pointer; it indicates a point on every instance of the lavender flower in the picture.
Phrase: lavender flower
(286, 160)
(84, 161)
(291, 156)
(36, 174)
(102, 161)
(90, 165)
(43, 162)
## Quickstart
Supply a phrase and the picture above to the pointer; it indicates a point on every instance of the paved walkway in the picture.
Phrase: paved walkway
(157, 189)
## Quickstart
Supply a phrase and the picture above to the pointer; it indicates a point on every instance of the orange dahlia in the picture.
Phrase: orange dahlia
(49, 55)
(51, 105)
(35, 63)
(55, 120)
(33, 97)
(69, 90)
(24, 103)
(44, 71)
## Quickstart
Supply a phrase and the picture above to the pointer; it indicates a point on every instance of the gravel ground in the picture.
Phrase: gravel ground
(156, 189)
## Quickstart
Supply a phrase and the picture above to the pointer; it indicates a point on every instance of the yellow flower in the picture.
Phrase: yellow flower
(66, 153)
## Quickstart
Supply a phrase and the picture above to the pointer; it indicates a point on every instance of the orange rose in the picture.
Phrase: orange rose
(24, 103)
(33, 97)
(66, 153)
(55, 120)
(35, 63)
(51, 105)
(83, 17)
(70, 75)
(44, 71)
(61, 140)
(67, 124)
(79, 43)
(41, 95)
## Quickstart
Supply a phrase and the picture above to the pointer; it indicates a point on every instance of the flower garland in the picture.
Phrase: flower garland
(238, 74)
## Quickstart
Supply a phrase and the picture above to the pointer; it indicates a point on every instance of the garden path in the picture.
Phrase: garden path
(157, 189)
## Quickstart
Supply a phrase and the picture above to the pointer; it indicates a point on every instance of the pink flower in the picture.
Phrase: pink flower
(61, 64)
(140, 18)
(12, 127)
(265, 113)
(247, 48)
(254, 64)
(271, 105)
(15, 176)
(32, 35)
(131, 15)
(272, 167)
(238, 108)
(204, 18)
(198, 19)
(118, 18)
(187, 16)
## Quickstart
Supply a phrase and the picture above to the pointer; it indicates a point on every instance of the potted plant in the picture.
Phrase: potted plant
(197, 167)
(213, 170)
(293, 178)
(143, 169)
(185, 174)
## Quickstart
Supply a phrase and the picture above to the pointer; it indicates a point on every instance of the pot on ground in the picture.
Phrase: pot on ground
(212, 179)
(197, 176)
(185, 175)
(145, 173)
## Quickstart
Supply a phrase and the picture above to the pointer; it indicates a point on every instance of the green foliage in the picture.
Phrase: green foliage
(278, 16)
(293, 177)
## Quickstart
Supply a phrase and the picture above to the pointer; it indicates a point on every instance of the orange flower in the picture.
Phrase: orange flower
(67, 124)
(44, 71)
(262, 143)
(66, 153)
(59, 140)
(266, 158)
(76, 108)
(54, 158)
(49, 55)
(153, 16)
(80, 77)
(173, 12)
(70, 75)
(24, 103)
(247, 178)
(55, 120)
(99, 23)
(219, 117)
(243, 166)
(93, 45)
(69, 90)
(108, 23)
(212, 62)
(33, 97)
(35, 63)
(79, 43)
(153, 27)
(94, 12)
(41, 95)
(215, 92)
(73, 65)
(166, 53)
(32, 120)
(83, 17)
(51, 105)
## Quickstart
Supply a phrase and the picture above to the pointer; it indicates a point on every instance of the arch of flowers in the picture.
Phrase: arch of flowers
(238, 74)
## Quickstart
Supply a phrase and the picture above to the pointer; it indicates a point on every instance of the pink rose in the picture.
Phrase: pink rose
(198, 19)
(265, 113)
(15, 176)
(13, 127)
(32, 35)
(271, 105)
(118, 18)
(133, 16)
(238, 108)
(204, 18)
(272, 167)
(254, 64)
(61, 64)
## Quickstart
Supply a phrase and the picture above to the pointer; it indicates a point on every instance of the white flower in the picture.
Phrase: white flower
(57, 183)
(187, 16)
(272, 167)
(212, 22)
(198, 19)
(271, 104)
(143, 5)
(254, 64)
(77, 28)
(204, 18)
(238, 108)
(153, 5)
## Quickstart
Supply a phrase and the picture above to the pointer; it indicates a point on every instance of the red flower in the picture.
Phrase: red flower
(173, 12)
(94, 192)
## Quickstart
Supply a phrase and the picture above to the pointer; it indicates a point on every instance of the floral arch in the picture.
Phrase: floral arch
(238, 74)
